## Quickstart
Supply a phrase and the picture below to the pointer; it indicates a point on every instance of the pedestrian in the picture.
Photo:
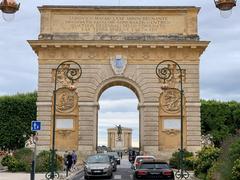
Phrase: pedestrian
(121, 154)
(65, 160)
(74, 158)
(69, 161)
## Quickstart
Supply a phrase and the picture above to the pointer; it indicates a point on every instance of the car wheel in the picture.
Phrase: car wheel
(110, 177)
(86, 177)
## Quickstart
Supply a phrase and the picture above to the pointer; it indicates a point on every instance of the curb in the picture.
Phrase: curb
(79, 170)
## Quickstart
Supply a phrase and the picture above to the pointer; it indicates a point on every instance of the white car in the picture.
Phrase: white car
(138, 160)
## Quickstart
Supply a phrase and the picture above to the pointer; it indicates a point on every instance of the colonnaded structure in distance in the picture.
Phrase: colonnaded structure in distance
(119, 46)
(119, 142)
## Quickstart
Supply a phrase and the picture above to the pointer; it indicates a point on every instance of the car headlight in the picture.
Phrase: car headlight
(106, 168)
(88, 168)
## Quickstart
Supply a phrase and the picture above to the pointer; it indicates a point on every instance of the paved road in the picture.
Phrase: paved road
(123, 172)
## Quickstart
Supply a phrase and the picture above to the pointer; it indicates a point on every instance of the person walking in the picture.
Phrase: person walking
(121, 154)
(74, 158)
(65, 160)
(69, 161)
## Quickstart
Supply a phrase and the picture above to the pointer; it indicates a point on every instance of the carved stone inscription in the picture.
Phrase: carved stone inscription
(113, 24)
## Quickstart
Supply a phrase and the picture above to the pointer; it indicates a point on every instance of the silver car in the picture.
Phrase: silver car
(98, 165)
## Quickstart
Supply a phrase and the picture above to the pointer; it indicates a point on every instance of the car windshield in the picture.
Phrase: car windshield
(98, 159)
(114, 154)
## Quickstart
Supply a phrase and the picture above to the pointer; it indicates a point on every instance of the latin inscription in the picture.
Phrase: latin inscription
(118, 24)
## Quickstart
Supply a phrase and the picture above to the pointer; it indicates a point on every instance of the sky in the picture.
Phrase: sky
(219, 65)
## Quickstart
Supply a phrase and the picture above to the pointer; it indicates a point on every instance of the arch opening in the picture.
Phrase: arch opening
(118, 106)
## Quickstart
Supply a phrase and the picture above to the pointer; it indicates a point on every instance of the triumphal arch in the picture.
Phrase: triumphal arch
(119, 46)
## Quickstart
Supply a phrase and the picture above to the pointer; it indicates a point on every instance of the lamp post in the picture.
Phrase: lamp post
(165, 73)
(9, 8)
(68, 71)
(225, 7)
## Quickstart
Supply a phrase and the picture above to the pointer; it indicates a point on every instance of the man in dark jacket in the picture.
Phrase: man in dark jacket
(69, 161)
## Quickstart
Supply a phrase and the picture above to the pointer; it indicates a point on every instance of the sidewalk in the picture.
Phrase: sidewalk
(20, 176)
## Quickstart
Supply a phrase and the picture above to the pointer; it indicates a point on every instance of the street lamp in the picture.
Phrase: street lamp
(69, 71)
(9, 8)
(225, 7)
(165, 71)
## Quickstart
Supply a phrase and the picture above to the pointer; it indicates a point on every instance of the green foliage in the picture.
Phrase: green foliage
(15, 165)
(212, 172)
(6, 160)
(43, 162)
(24, 156)
(188, 160)
(234, 151)
(220, 119)
(236, 170)
(16, 114)
(205, 160)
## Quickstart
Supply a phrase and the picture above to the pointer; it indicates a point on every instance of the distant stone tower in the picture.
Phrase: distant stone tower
(124, 143)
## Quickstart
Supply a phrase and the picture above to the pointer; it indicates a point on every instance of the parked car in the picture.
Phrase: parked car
(98, 165)
(115, 154)
(139, 159)
(153, 170)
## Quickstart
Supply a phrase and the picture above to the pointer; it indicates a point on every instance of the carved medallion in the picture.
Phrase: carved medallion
(118, 64)
(171, 100)
(66, 100)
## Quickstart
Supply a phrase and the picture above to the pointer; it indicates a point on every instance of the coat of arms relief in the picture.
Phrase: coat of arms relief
(118, 64)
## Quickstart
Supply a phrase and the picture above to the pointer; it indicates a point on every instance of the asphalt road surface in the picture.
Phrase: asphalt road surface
(123, 172)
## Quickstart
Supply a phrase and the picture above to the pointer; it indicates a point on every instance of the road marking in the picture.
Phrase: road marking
(117, 177)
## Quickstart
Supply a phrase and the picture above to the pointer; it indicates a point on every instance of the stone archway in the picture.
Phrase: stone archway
(122, 46)
(128, 83)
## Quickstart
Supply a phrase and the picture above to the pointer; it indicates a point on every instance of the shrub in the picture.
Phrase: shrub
(14, 165)
(234, 150)
(236, 170)
(6, 160)
(24, 156)
(212, 173)
(43, 162)
(205, 159)
(188, 160)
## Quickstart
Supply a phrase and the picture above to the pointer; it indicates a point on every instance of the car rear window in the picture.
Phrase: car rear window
(147, 166)
(161, 166)
(144, 158)
(153, 166)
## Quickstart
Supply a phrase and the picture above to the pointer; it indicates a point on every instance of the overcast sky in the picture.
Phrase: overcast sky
(219, 70)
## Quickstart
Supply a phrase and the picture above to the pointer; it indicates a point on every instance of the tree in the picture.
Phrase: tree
(16, 114)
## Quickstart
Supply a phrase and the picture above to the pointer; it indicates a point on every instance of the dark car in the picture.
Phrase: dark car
(132, 155)
(154, 170)
(116, 156)
(98, 165)
(113, 161)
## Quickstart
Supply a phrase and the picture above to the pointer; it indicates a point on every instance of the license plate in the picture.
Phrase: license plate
(97, 171)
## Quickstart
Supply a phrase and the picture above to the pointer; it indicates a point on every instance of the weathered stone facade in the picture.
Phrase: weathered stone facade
(142, 37)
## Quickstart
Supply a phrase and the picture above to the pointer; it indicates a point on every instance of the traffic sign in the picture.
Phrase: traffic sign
(36, 126)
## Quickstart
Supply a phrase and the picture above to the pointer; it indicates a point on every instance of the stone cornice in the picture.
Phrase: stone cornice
(41, 44)
(54, 7)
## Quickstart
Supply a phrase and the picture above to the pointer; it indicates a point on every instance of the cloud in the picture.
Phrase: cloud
(125, 105)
